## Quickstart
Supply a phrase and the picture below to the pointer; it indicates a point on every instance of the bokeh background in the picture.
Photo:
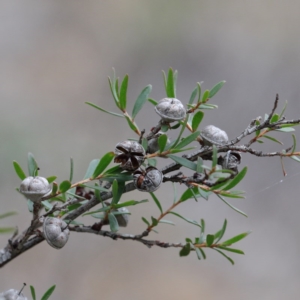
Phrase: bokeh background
(55, 55)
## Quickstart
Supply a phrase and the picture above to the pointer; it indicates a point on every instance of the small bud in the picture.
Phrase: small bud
(35, 188)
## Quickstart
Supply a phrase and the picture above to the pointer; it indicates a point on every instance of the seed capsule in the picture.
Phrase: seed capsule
(56, 232)
(35, 188)
(130, 154)
(147, 180)
(170, 110)
(231, 160)
(212, 135)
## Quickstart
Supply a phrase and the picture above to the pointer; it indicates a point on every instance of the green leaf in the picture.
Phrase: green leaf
(19, 170)
(32, 165)
(7, 229)
(272, 139)
(129, 203)
(91, 168)
(232, 195)
(231, 206)
(166, 222)
(199, 165)
(236, 179)
(197, 119)
(95, 187)
(156, 202)
(152, 101)
(193, 95)
(283, 110)
(294, 157)
(64, 186)
(285, 129)
(185, 251)
(208, 106)
(154, 221)
(32, 292)
(186, 141)
(112, 85)
(205, 97)
(131, 124)
(274, 118)
(188, 193)
(235, 239)
(180, 133)
(198, 252)
(54, 188)
(209, 240)
(145, 221)
(71, 169)
(123, 93)
(8, 214)
(103, 163)
(170, 83)
(141, 100)
(106, 111)
(227, 257)
(294, 143)
(231, 250)
(185, 219)
(48, 293)
(115, 192)
(145, 143)
(164, 128)
(113, 223)
(51, 178)
(162, 142)
(216, 88)
(218, 235)
(184, 162)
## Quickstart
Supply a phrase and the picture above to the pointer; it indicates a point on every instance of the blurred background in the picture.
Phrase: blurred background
(55, 55)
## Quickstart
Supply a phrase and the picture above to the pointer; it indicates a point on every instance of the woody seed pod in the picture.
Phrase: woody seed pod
(212, 135)
(56, 232)
(170, 110)
(147, 180)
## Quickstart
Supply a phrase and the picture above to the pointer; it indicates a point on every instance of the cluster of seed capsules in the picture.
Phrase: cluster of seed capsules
(131, 154)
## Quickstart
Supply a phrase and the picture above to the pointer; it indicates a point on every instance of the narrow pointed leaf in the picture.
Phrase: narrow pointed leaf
(235, 239)
(156, 202)
(283, 110)
(294, 143)
(141, 100)
(186, 141)
(32, 165)
(205, 97)
(218, 235)
(231, 206)
(238, 251)
(64, 186)
(71, 169)
(48, 293)
(123, 93)
(19, 170)
(197, 119)
(113, 223)
(130, 203)
(131, 124)
(103, 163)
(185, 219)
(32, 290)
(106, 111)
(166, 222)
(162, 142)
(272, 139)
(296, 158)
(227, 257)
(171, 88)
(216, 88)
(285, 129)
(145, 221)
(236, 179)
(112, 85)
(188, 193)
(214, 156)
(91, 168)
(198, 252)
(152, 101)
(184, 162)
(193, 95)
